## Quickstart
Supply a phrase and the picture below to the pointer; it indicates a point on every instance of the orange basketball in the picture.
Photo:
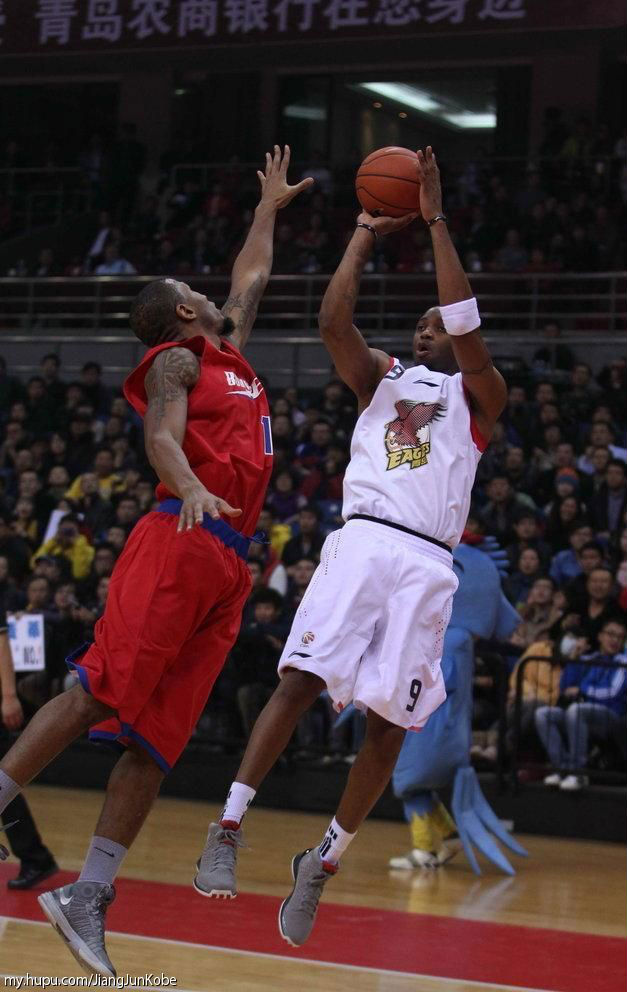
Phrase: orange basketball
(387, 182)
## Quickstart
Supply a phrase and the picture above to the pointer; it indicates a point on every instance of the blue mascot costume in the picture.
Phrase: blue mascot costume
(439, 755)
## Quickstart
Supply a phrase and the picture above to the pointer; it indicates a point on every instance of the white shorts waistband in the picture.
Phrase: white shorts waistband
(418, 544)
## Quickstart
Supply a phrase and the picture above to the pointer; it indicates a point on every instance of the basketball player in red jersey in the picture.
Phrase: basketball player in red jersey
(177, 592)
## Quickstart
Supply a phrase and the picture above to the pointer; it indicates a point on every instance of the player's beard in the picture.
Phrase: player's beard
(228, 326)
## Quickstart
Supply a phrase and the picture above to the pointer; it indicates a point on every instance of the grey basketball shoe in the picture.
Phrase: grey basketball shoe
(215, 876)
(77, 912)
(298, 912)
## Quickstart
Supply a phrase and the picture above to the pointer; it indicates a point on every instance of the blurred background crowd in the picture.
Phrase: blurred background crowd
(562, 210)
(551, 489)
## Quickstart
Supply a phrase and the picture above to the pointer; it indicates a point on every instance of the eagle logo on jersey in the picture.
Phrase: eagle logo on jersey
(408, 436)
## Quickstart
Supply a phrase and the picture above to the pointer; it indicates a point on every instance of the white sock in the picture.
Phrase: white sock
(103, 861)
(237, 802)
(335, 842)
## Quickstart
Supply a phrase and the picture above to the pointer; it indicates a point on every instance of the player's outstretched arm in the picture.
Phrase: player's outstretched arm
(253, 265)
(483, 382)
(358, 365)
(173, 373)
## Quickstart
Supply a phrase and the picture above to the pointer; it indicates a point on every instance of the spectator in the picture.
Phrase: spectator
(512, 255)
(563, 461)
(72, 545)
(81, 447)
(283, 496)
(312, 453)
(589, 558)
(607, 509)
(256, 654)
(598, 606)
(308, 541)
(518, 585)
(10, 597)
(109, 481)
(86, 500)
(15, 549)
(554, 354)
(562, 515)
(539, 613)
(93, 387)
(255, 570)
(58, 482)
(39, 407)
(25, 524)
(301, 575)
(602, 435)
(502, 508)
(127, 512)
(595, 700)
(102, 566)
(11, 389)
(528, 536)
(566, 564)
(116, 536)
(278, 534)
(274, 572)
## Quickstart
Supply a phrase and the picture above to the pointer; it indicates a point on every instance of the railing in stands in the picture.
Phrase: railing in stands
(76, 315)
(39, 196)
(512, 302)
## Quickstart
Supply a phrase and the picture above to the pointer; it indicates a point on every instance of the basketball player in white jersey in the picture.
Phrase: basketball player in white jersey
(371, 625)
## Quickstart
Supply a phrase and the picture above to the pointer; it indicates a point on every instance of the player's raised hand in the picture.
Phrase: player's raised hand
(430, 188)
(274, 186)
(199, 501)
(385, 225)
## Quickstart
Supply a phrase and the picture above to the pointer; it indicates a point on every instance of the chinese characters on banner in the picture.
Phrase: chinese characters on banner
(26, 640)
(106, 23)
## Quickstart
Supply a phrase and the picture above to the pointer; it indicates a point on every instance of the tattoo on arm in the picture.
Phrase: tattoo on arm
(172, 375)
(242, 307)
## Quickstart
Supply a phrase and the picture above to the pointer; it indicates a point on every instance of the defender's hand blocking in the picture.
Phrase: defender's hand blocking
(430, 188)
(274, 187)
(198, 502)
(385, 225)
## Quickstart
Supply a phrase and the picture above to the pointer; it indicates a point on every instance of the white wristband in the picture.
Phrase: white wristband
(461, 318)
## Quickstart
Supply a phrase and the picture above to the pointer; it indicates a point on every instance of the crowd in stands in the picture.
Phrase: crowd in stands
(562, 210)
(551, 489)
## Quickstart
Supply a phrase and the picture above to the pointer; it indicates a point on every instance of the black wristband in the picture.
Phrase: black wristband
(369, 227)
(435, 219)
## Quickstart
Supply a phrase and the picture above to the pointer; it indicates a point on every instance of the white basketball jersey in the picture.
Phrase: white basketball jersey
(414, 454)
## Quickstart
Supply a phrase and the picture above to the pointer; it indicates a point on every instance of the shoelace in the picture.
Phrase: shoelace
(313, 891)
(93, 922)
(224, 854)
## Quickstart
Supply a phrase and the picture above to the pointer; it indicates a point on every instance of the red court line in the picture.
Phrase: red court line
(445, 947)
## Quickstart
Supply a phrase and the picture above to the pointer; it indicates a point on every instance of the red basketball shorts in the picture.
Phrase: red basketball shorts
(173, 613)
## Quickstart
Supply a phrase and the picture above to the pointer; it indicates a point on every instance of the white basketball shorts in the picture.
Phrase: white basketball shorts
(372, 622)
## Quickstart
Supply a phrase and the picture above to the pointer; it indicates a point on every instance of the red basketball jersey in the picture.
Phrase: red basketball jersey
(228, 442)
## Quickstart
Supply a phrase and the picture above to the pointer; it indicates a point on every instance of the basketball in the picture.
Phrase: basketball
(387, 182)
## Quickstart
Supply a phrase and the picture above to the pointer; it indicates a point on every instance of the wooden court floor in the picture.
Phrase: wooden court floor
(558, 926)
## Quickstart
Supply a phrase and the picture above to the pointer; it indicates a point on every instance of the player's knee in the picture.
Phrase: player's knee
(87, 709)
(138, 757)
(386, 737)
(299, 689)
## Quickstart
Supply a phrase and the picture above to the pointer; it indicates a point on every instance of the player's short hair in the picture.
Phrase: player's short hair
(153, 312)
